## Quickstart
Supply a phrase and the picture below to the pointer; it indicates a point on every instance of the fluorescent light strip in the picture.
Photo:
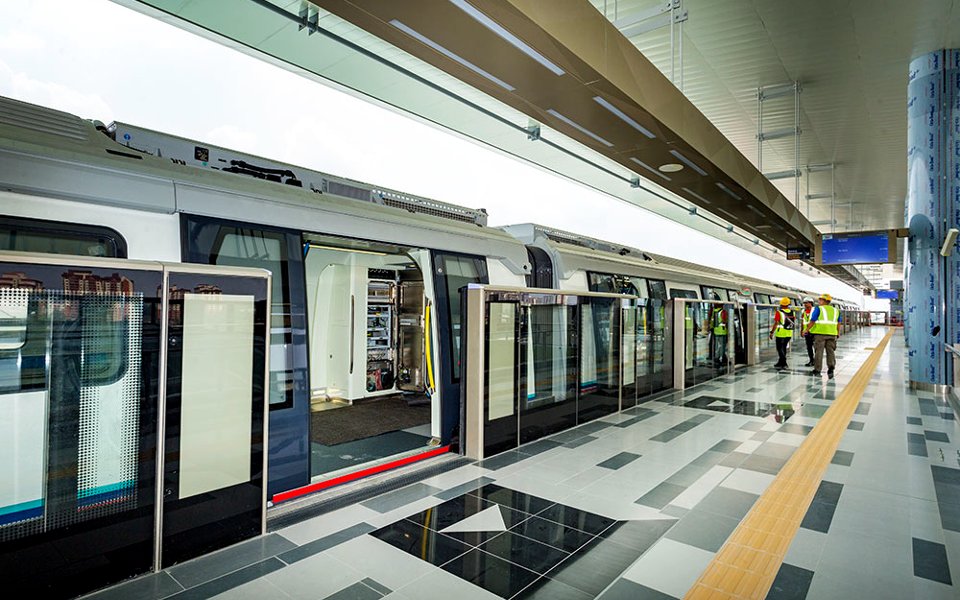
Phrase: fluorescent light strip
(507, 36)
(580, 128)
(427, 41)
(623, 117)
(688, 162)
(696, 195)
(756, 210)
(649, 168)
(732, 217)
(728, 191)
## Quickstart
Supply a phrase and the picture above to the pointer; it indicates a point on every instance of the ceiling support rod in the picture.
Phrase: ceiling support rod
(770, 92)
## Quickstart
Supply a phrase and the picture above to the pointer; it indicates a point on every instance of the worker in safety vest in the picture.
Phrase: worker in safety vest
(718, 319)
(825, 327)
(783, 325)
(807, 337)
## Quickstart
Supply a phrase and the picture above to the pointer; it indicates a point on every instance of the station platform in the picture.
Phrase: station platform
(761, 484)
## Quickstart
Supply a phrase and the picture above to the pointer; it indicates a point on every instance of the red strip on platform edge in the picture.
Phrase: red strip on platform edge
(329, 483)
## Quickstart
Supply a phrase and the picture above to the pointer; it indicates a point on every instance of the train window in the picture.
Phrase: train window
(226, 243)
(458, 271)
(658, 289)
(712, 293)
(53, 237)
(616, 284)
(675, 293)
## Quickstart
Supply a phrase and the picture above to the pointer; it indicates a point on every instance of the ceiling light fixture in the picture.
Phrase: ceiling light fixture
(728, 191)
(688, 162)
(670, 168)
(451, 55)
(579, 128)
(507, 36)
(623, 117)
(696, 195)
(649, 168)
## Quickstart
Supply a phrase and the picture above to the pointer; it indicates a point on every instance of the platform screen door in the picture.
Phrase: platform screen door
(213, 490)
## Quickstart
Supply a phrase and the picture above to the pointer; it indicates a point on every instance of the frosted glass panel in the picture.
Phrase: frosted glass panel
(502, 342)
(215, 431)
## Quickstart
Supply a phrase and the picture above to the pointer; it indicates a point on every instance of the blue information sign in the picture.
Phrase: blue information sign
(855, 248)
(888, 294)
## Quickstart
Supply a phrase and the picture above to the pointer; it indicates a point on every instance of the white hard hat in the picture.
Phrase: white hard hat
(808, 299)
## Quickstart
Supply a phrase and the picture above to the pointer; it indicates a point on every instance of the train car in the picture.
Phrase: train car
(365, 326)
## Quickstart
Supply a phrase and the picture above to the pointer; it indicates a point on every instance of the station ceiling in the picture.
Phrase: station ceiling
(606, 115)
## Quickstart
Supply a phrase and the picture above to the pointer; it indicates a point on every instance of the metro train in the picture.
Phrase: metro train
(366, 280)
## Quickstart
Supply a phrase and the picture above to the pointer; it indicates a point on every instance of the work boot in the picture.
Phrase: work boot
(815, 373)
(809, 364)
(830, 373)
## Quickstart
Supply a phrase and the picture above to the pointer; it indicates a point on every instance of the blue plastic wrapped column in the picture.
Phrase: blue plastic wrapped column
(932, 306)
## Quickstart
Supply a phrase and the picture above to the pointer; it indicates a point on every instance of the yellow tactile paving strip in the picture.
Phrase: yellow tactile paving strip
(747, 564)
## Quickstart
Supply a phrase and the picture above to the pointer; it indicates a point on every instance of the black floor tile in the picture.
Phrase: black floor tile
(761, 436)
(726, 446)
(764, 464)
(576, 518)
(595, 566)
(863, 408)
(930, 561)
(842, 457)
(357, 591)
(796, 428)
(628, 422)
(376, 585)
(580, 441)
(525, 552)
(422, 542)
(741, 407)
(791, 583)
(727, 502)
(661, 495)
(230, 559)
(504, 459)
(538, 447)
(916, 444)
(554, 534)
(512, 498)
(593, 427)
(490, 572)
(457, 509)
(231, 580)
(551, 589)
(624, 589)
(733, 460)
(325, 543)
(752, 426)
(619, 460)
(464, 488)
(936, 436)
(855, 425)
(640, 535)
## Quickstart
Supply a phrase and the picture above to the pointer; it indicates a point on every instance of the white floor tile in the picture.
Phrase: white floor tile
(701, 487)
(748, 481)
(670, 567)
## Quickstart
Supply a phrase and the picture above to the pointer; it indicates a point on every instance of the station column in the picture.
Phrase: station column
(932, 307)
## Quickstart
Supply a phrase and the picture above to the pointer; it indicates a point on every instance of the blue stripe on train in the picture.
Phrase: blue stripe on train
(21, 511)
(104, 493)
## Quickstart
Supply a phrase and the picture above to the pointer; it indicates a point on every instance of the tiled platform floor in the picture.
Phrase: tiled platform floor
(637, 504)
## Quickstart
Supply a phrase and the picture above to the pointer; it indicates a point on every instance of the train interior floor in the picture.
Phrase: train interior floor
(640, 504)
(366, 431)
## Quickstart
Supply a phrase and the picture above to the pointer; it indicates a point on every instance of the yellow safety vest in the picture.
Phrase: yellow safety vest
(785, 326)
(806, 316)
(826, 323)
(719, 325)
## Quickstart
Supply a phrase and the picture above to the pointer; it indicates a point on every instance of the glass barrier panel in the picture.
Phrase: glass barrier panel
(628, 354)
(661, 364)
(551, 391)
(599, 358)
(706, 335)
(501, 377)
(766, 346)
(79, 366)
